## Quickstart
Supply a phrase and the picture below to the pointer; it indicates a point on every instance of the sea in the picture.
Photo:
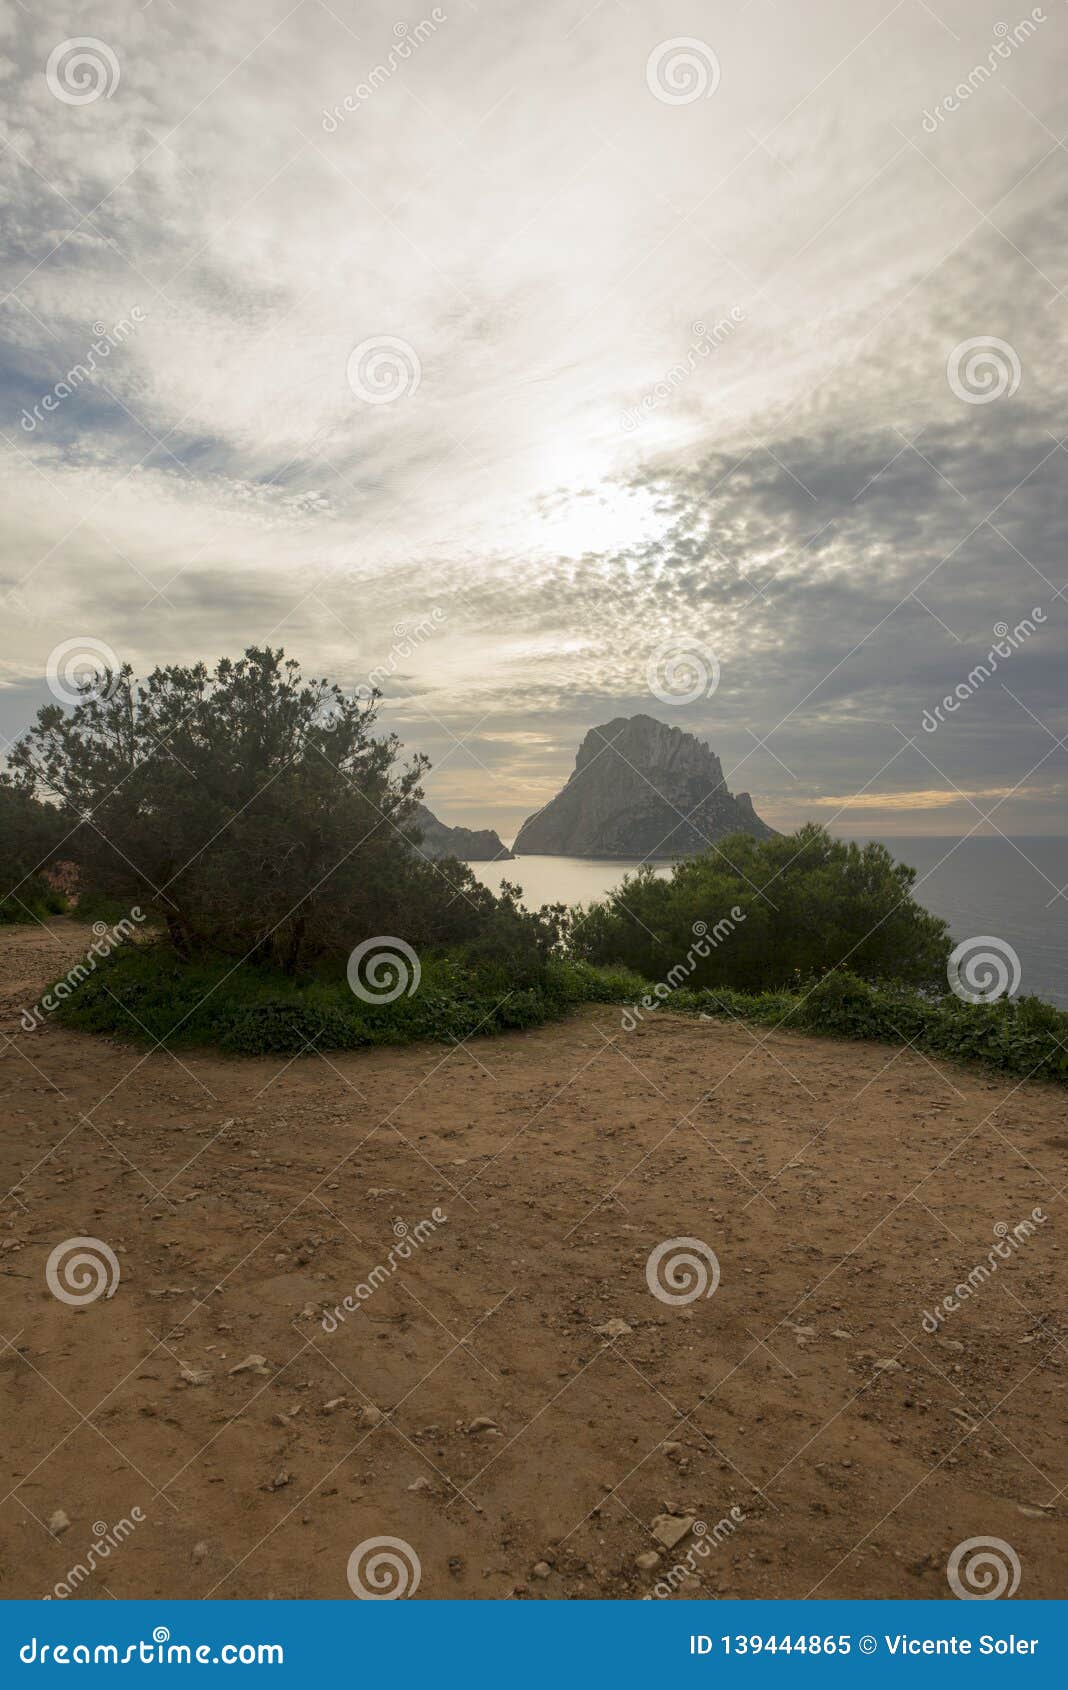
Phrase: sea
(1012, 890)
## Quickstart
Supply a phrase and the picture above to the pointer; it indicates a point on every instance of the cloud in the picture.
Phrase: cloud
(931, 800)
(810, 500)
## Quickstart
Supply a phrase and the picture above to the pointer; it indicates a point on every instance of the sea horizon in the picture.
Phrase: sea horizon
(989, 884)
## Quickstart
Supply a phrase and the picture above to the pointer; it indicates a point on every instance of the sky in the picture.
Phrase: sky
(549, 363)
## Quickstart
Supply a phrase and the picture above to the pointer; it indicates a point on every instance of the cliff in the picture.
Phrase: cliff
(639, 789)
(471, 845)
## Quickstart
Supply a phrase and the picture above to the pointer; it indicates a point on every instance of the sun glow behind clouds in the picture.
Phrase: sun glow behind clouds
(577, 521)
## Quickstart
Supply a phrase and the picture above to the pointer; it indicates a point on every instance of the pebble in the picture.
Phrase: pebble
(200, 1551)
(482, 1423)
(541, 1569)
(669, 1529)
(647, 1561)
(251, 1364)
(614, 1328)
(193, 1375)
(58, 1522)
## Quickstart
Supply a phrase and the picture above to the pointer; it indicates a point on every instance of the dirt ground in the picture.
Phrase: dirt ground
(820, 1440)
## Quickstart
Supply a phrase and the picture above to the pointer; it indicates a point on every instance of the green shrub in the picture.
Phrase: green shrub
(92, 905)
(765, 914)
(32, 900)
(1023, 1036)
(146, 992)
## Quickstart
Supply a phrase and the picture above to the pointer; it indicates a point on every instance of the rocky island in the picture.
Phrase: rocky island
(471, 845)
(639, 789)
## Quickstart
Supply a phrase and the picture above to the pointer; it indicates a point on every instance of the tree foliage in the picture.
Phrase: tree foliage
(804, 904)
(31, 837)
(252, 813)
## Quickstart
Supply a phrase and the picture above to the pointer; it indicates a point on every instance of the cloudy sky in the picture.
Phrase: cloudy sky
(548, 362)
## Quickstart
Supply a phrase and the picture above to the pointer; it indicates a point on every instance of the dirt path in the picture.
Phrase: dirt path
(843, 1189)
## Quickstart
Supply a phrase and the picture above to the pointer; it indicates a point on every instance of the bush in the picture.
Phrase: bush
(765, 914)
(1023, 1036)
(31, 900)
(287, 1028)
(146, 992)
(94, 906)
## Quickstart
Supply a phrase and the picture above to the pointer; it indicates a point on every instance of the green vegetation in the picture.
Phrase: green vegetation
(148, 993)
(32, 901)
(269, 839)
(770, 913)
(145, 993)
(253, 815)
(1022, 1036)
(266, 834)
(30, 833)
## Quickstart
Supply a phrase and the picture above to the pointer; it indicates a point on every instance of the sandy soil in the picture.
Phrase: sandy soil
(843, 1189)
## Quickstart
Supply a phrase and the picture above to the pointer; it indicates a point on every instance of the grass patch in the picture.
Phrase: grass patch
(146, 994)
(1018, 1036)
